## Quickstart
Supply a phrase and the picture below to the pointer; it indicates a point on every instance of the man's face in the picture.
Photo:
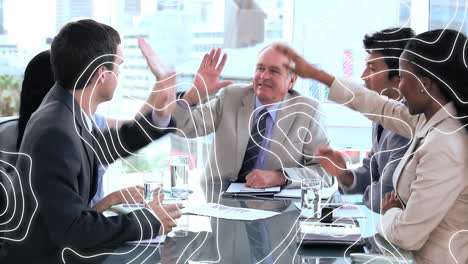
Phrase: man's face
(375, 76)
(410, 87)
(111, 77)
(272, 80)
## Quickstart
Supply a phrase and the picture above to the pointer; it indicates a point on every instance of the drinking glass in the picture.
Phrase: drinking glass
(310, 198)
(151, 181)
(179, 166)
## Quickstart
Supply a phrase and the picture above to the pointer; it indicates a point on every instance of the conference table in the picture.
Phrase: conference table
(217, 240)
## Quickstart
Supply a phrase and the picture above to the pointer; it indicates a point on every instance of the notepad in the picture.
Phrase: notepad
(240, 188)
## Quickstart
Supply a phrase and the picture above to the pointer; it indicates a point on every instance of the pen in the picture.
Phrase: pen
(246, 195)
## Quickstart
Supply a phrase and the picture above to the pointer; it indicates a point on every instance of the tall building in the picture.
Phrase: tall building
(2, 28)
(133, 7)
(448, 14)
(68, 10)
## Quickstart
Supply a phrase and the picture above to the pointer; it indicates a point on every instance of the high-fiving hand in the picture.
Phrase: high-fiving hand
(163, 96)
(155, 64)
(206, 81)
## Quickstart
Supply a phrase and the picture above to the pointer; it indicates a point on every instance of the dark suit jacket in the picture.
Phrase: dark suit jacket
(375, 177)
(60, 178)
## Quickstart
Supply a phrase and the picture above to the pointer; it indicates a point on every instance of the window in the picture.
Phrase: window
(448, 14)
(328, 33)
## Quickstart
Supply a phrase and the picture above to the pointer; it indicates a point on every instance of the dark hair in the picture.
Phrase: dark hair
(76, 46)
(38, 79)
(442, 54)
(390, 43)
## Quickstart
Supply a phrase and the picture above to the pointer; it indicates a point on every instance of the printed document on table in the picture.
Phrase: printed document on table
(241, 188)
(228, 212)
(325, 193)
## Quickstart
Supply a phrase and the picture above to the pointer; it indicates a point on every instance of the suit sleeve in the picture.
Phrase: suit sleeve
(391, 114)
(114, 143)
(381, 185)
(433, 192)
(362, 175)
(311, 167)
(63, 211)
(201, 120)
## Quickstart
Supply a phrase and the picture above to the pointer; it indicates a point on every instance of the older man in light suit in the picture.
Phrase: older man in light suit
(265, 132)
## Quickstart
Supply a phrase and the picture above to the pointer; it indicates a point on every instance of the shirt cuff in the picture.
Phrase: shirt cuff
(287, 180)
(151, 211)
(182, 103)
(348, 188)
(164, 123)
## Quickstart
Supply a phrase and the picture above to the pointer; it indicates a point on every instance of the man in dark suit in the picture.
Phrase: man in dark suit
(375, 177)
(58, 176)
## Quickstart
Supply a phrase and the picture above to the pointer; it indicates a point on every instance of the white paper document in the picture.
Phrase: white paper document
(157, 240)
(228, 212)
(241, 188)
(289, 193)
(325, 193)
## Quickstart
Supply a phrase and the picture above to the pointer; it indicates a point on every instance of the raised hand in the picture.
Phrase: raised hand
(298, 64)
(155, 64)
(163, 96)
(206, 81)
(301, 67)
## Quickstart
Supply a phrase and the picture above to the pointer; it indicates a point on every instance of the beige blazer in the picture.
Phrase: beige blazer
(298, 131)
(431, 179)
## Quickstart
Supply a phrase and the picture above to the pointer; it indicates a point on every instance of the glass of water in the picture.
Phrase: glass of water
(179, 166)
(310, 198)
(151, 181)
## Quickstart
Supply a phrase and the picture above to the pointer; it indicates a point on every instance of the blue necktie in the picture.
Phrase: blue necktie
(253, 147)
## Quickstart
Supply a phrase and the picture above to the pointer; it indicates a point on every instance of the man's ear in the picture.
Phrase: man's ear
(101, 74)
(292, 81)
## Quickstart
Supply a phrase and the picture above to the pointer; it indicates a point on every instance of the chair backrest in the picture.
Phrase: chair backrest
(8, 138)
